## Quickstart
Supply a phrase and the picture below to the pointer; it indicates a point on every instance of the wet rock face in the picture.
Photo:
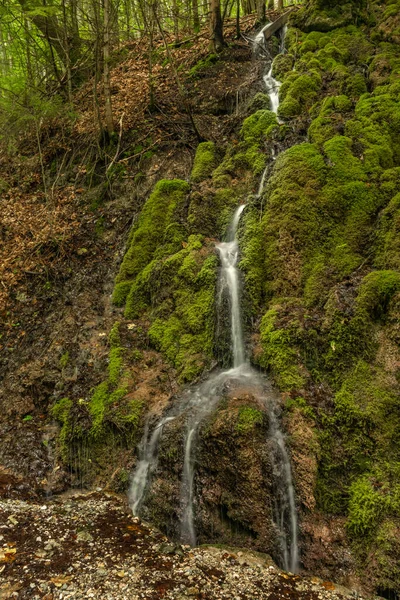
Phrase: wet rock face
(162, 505)
(233, 497)
(234, 480)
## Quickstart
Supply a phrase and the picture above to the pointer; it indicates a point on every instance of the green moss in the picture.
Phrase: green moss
(257, 126)
(358, 436)
(61, 411)
(388, 236)
(208, 212)
(298, 92)
(158, 212)
(115, 365)
(345, 165)
(289, 108)
(283, 63)
(185, 336)
(366, 506)
(97, 408)
(376, 291)
(248, 419)
(279, 355)
(64, 360)
(300, 404)
(204, 162)
(203, 65)
(114, 338)
(260, 101)
(253, 258)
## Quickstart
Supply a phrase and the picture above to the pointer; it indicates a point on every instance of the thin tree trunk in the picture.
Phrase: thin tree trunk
(67, 53)
(261, 10)
(216, 27)
(196, 17)
(106, 69)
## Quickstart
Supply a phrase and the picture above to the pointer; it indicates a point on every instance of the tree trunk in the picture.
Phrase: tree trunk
(196, 17)
(106, 69)
(54, 34)
(279, 4)
(216, 27)
(238, 19)
(261, 10)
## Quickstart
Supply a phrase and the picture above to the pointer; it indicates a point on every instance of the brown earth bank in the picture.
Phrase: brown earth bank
(89, 546)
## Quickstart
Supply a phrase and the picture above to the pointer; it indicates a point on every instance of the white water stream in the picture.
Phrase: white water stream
(201, 400)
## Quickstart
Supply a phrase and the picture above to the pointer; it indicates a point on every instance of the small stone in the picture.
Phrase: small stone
(84, 536)
(193, 591)
(101, 572)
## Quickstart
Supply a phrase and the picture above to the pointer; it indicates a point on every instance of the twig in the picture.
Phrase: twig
(118, 145)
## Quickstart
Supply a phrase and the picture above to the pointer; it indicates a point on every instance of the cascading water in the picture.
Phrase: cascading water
(205, 397)
(201, 400)
(229, 252)
(148, 454)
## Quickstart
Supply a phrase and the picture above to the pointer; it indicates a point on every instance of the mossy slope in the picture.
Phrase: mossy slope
(321, 261)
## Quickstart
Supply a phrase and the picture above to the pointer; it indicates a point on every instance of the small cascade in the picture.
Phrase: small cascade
(262, 181)
(206, 396)
(229, 252)
(272, 86)
(285, 501)
(148, 455)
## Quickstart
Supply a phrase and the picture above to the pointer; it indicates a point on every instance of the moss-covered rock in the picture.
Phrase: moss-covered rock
(158, 212)
(205, 161)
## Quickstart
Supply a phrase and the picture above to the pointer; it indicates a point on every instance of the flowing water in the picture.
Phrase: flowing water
(200, 401)
(148, 455)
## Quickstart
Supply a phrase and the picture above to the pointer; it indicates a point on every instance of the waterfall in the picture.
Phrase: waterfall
(205, 397)
(199, 401)
(229, 252)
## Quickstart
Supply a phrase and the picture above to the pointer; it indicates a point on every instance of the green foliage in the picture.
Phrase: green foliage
(204, 162)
